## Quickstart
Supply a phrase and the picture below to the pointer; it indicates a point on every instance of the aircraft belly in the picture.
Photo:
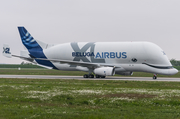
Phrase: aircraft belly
(64, 67)
(132, 67)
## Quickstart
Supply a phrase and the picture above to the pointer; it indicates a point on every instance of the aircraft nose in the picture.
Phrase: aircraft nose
(173, 71)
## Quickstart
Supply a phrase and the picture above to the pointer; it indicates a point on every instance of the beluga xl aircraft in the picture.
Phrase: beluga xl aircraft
(97, 58)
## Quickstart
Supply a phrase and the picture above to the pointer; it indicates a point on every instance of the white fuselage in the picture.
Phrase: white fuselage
(125, 56)
(99, 58)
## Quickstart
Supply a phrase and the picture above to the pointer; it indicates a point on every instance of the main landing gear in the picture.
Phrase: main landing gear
(88, 76)
(92, 76)
(98, 76)
(155, 76)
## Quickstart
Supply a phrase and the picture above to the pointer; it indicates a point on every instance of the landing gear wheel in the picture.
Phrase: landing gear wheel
(103, 76)
(86, 76)
(155, 76)
(91, 76)
(97, 76)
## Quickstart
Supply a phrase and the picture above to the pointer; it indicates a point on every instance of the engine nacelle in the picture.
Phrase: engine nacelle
(127, 73)
(105, 71)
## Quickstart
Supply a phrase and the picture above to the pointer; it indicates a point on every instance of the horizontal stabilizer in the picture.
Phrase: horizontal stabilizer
(6, 51)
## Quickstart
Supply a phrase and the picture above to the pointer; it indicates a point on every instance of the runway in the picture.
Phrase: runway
(81, 78)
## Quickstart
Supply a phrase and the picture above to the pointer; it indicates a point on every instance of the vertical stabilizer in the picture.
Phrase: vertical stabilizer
(34, 47)
(28, 41)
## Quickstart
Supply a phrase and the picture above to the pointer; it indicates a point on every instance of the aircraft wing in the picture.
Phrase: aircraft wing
(77, 63)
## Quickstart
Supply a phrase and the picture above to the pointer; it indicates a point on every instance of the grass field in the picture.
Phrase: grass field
(86, 99)
(19, 66)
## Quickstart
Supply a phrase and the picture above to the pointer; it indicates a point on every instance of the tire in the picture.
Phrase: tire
(91, 76)
(97, 76)
(85, 76)
(103, 76)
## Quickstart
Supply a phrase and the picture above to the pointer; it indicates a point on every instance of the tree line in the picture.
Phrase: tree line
(175, 62)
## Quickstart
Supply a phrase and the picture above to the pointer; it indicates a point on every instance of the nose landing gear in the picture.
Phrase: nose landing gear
(155, 76)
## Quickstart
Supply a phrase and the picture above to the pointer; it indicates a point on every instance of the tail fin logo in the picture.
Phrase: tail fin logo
(33, 47)
(6, 50)
(27, 39)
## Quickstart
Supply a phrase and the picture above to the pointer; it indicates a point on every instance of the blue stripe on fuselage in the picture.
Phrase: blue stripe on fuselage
(40, 54)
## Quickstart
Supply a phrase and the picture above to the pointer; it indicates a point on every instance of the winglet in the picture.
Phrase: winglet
(6, 51)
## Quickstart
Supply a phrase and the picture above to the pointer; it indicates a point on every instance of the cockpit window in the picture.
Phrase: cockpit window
(163, 53)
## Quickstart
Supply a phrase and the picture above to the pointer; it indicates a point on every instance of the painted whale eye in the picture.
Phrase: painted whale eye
(134, 59)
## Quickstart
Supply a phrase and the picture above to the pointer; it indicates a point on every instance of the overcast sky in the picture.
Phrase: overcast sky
(60, 21)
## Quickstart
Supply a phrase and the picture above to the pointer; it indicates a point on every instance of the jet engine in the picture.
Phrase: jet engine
(105, 71)
(127, 73)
